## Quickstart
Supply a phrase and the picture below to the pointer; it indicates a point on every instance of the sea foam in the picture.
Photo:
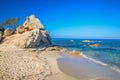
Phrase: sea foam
(101, 63)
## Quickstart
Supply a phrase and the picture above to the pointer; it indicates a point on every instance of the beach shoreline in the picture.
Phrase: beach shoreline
(30, 64)
(85, 69)
(56, 65)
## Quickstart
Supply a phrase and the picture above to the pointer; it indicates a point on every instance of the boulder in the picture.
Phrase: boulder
(63, 50)
(32, 22)
(33, 39)
(53, 48)
(20, 29)
(8, 32)
(56, 48)
(74, 53)
(86, 41)
(94, 45)
(38, 37)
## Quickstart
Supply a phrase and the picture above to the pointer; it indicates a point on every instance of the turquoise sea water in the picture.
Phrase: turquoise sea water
(108, 52)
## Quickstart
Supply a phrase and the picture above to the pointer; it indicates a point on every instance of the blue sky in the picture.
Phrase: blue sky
(69, 18)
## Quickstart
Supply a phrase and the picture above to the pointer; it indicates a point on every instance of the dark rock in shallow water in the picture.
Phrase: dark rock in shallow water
(94, 45)
(102, 48)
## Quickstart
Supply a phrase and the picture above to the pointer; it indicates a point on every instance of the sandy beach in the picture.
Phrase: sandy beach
(23, 64)
(29, 53)
(32, 64)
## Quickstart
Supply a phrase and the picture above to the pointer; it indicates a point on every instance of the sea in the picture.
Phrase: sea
(108, 53)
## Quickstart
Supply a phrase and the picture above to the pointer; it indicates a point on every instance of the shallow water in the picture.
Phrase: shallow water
(108, 52)
(85, 69)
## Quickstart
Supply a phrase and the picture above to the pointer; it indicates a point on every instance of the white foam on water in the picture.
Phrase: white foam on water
(101, 63)
(98, 62)
(116, 69)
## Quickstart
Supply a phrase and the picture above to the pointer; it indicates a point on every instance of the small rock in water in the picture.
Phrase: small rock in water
(86, 41)
(56, 48)
(74, 53)
(63, 50)
(94, 45)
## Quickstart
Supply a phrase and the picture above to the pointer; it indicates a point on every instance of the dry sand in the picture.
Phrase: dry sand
(30, 64)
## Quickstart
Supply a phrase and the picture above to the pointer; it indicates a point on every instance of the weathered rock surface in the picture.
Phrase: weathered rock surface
(56, 48)
(8, 32)
(33, 35)
(86, 41)
(20, 29)
(94, 45)
(32, 22)
(33, 39)
(75, 53)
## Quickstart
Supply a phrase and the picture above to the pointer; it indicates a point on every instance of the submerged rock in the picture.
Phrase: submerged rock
(86, 41)
(94, 45)
(71, 40)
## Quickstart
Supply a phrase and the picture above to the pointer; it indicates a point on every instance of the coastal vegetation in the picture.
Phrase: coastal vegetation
(11, 23)
(8, 27)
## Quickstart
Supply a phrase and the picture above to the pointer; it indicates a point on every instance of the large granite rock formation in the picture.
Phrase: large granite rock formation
(20, 29)
(32, 22)
(33, 39)
(33, 35)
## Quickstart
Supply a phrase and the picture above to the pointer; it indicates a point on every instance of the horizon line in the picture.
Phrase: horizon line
(84, 38)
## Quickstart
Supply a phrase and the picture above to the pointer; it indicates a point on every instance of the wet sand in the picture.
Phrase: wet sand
(85, 69)
(40, 64)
